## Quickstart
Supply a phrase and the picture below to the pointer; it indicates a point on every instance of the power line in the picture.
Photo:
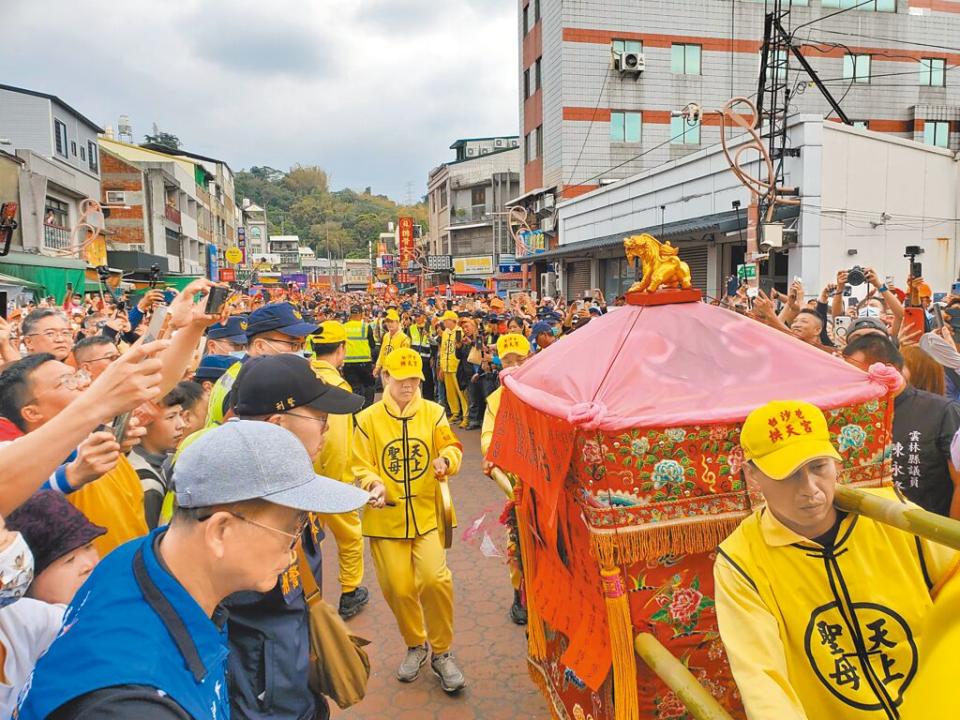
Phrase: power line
(590, 126)
(889, 39)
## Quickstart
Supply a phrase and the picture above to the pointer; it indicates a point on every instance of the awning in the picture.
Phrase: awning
(722, 222)
(13, 281)
(521, 198)
(49, 274)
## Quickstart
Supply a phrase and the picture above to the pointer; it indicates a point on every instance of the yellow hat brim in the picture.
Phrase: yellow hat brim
(781, 464)
(405, 374)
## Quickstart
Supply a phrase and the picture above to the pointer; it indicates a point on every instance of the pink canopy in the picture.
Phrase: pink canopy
(682, 364)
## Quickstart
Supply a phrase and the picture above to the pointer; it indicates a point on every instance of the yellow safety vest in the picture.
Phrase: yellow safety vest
(218, 394)
(814, 633)
(358, 347)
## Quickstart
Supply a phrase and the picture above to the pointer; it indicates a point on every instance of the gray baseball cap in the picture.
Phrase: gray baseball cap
(255, 460)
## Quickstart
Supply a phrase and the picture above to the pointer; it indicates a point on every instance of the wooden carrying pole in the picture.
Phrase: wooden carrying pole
(502, 481)
(700, 703)
(910, 518)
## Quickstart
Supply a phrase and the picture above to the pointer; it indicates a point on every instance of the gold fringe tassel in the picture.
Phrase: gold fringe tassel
(625, 546)
(625, 701)
(536, 636)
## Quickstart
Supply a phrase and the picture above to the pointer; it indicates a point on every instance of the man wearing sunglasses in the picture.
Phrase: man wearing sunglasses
(273, 329)
(149, 624)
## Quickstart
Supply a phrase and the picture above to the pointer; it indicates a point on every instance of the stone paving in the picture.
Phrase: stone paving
(489, 648)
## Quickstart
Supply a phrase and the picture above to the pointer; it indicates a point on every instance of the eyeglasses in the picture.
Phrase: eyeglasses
(307, 417)
(111, 358)
(53, 334)
(70, 381)
(294, 344)
(294, 537)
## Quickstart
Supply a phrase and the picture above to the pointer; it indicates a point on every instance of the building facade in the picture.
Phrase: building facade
(256, 231)
(601, 80)
(467, 201)
(865, 196)
(57, 167)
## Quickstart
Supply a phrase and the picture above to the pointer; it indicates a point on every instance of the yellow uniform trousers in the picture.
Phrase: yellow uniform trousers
(455, 397)
(418, 587)
(345, 527)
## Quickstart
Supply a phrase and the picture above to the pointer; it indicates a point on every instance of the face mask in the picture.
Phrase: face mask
(238, 354)
(16, 571)
(868, 311)
(556, 331)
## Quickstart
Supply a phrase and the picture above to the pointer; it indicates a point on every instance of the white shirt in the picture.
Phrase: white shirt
(27, 628)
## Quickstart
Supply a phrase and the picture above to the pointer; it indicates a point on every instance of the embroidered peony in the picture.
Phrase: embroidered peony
(639, 446)
(593, 452)
(676, 435)
(684, 604)
(852, 437)
(667, 472)
(670, 707)
(735, 460)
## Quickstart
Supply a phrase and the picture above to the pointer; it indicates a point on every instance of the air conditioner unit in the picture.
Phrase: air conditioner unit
(470, 151)
(498, 143)
(549, 201)
(632, 63)
(772, 237)
(116, 197)
(537, 206)
(548, 224)
(548, 283)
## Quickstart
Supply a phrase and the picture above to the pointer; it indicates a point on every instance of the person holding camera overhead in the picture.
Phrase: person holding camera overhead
(881, 302)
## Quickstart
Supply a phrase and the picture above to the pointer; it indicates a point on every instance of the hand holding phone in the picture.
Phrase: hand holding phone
(154, 332)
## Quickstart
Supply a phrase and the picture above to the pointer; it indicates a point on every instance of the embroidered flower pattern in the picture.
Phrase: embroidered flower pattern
(677, 435)
(852, 437)
(667, 472)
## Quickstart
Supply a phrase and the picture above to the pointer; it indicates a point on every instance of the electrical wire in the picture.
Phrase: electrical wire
(889, 39)
(590, 126)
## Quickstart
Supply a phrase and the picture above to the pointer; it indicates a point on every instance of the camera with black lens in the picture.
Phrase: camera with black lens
(856, 276)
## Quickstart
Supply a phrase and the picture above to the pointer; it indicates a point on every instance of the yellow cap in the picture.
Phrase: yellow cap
(330, 332)
(403, 363)
(449, 315)
(782, 435)
(513, 344)
(393, 315)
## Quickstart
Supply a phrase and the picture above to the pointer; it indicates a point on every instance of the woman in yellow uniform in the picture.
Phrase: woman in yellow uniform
(394, 339)
(401, 445)
(449, 362)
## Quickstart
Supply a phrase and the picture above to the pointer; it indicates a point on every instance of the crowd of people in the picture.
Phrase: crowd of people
(168, 475)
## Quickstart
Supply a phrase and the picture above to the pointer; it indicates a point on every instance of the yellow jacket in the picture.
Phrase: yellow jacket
(449, 362)
(114, 501)
(389, 344)
(336, 455)
(813, 633)
(490, 420)
(218, 394)
(398, 449)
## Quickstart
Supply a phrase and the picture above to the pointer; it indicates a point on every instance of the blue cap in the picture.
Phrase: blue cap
(541, 327)
(553, 317)
(234, 330)
(594, 310)
(213, 366)
(281, 317)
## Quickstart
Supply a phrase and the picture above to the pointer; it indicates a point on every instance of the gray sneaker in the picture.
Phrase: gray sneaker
(410, 667)
(451, 678)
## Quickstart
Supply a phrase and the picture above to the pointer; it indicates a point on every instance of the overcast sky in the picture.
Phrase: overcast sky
(373, 91)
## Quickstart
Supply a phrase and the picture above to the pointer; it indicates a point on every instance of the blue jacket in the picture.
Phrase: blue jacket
(132, 623)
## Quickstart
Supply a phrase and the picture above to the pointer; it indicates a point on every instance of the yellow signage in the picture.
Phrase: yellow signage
(475, 265)
(233, 255)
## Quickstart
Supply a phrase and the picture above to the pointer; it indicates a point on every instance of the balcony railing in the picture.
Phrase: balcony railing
(172, 214)
(478, 214)
(55, 237)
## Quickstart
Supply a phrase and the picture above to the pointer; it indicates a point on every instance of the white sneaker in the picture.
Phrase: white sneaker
(410, 667)
(451, 678)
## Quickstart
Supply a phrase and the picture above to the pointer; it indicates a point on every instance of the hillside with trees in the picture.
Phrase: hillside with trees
(300, 202)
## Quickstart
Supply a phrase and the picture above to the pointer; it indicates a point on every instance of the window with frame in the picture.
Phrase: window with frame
(537, 77)
(683, 133)
(83, 153)
(478, 196)
(685, 59)
(526, 83)
(778, 64)
(93, 153)
(539, 145)
(625, 126)
(60, 210)
(60, 137)
(856, 68)
(933, 72)
(536, 11)
(443, 197)
(116, 197)
(526, 19)
(875, 6)
(627, 46)
(936, 133)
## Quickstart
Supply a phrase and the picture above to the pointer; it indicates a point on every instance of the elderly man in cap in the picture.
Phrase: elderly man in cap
(335, 460)
(148, 625)
(271, 330)
(541, 336)
(451, 341)
(228, 338)
(820, 612)
(358, 361)
(403, 445)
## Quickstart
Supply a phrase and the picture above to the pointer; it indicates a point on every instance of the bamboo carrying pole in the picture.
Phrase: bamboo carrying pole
(700, 703)
(501, 479)
(910, 518)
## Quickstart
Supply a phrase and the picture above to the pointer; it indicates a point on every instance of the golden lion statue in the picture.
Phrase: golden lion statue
(660, 263)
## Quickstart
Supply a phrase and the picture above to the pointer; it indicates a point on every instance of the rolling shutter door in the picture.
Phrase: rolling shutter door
(696, 258)
(577, 278)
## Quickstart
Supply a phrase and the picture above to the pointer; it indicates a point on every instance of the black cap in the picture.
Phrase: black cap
(355, 309)
(277, 383)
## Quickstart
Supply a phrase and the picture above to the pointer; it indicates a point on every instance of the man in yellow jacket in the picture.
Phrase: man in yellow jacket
(402, 444)
(393, 339)
(449, 362)
(512, 349)
(821, 612)
(334, 461)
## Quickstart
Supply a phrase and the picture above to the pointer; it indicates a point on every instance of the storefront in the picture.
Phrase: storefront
(48, 275)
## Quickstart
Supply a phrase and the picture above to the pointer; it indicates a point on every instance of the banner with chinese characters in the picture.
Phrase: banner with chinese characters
(406, 244)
